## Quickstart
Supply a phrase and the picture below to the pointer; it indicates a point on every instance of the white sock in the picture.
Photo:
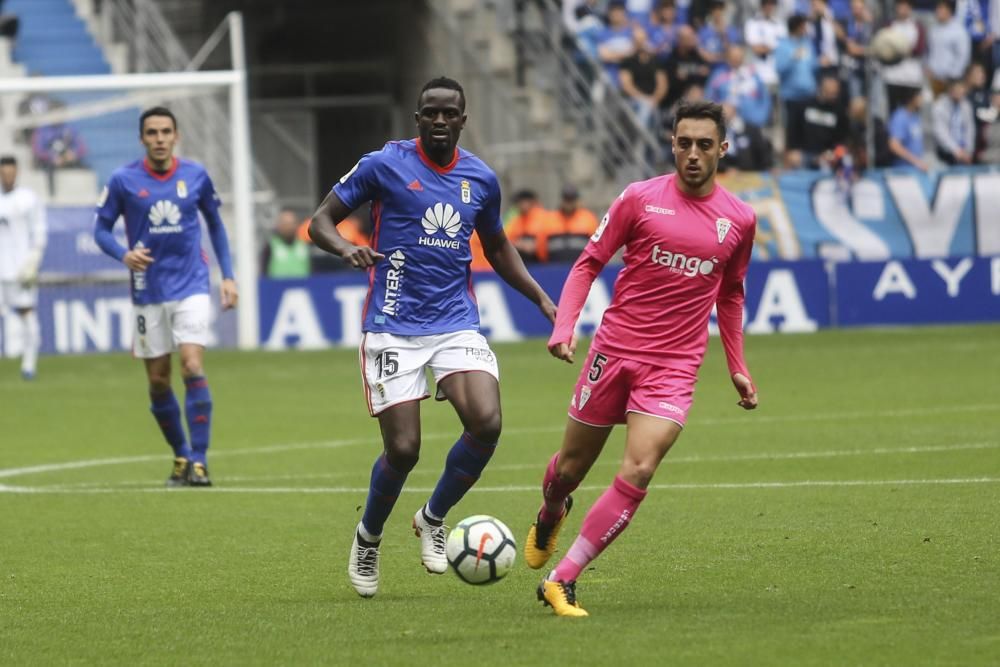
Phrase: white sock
(430, 515)
(32, 338)
(366, 536)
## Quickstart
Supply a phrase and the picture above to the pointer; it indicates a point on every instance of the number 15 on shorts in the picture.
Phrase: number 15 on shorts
(386, 364)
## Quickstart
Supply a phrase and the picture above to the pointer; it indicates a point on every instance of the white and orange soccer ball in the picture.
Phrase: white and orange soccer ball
(481, 549)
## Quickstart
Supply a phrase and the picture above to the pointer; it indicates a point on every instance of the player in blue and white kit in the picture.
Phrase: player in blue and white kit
(427, 197)
(160, 198)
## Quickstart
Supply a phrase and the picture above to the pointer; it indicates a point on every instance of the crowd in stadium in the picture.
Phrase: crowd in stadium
(800, 82)
(797, 77)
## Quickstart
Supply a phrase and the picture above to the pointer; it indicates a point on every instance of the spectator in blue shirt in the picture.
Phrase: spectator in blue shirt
(615, 43)
(796, 62)
(717, 34)
(906, 134)
(663, 29)
(739, 84)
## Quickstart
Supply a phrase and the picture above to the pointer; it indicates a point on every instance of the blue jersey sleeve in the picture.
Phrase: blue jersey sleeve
(898, 126)
(361, 183)
(488, 222)
(208, 204)
(109, 208)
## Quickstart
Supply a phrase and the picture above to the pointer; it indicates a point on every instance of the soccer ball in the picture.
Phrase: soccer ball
(889, 46)
(481, 549)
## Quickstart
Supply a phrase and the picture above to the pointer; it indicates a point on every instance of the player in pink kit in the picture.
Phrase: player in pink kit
(687, 246)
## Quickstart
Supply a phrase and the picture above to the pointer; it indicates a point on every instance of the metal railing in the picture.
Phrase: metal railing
(587, 98)
(500, 129)
(588, 114)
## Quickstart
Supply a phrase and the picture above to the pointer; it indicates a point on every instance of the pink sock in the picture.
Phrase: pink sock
(554, 492)
(605, 521)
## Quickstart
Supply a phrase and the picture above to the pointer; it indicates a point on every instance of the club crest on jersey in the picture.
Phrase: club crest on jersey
(722, 227)
(182, 189)
(584, 396)
(466, 192)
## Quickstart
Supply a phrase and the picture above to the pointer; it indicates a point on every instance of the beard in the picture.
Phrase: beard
(707, 172)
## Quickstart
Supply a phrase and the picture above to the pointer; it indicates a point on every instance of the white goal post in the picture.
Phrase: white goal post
(138, 89)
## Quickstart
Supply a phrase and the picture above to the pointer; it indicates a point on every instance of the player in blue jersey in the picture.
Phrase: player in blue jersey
(427, 197)
(160, 198)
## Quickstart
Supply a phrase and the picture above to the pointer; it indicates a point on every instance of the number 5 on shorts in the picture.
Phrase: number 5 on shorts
(597, 367)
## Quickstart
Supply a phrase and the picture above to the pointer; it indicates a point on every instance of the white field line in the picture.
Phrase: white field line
(610, 461)
(509, 489)
(745, 420)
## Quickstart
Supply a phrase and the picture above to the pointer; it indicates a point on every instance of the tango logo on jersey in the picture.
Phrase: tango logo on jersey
(678, 263)
(393, 282)
(441, 216)
(466, 192)
(165, 215)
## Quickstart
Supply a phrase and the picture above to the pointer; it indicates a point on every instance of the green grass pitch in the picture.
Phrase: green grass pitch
(854, 519)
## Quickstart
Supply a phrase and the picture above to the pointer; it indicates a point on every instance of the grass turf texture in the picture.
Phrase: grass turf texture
(866, 567)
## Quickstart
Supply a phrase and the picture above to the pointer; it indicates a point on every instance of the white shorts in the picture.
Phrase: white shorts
(18, 296)
(158, 329)
(392, 367)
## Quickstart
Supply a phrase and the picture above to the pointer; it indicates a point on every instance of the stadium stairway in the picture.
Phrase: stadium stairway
(54, 41)
(568, 147)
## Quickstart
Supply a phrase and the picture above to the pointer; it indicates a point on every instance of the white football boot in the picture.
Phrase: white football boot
(362, 567)
(432, 543)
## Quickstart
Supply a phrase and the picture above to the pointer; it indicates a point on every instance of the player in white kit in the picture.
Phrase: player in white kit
(23, 234)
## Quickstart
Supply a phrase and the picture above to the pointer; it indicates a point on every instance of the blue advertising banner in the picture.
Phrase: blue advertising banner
(71, 249)
(886, 214)
(93, 318)
(902, 247)
(317, 312)
(918, 292)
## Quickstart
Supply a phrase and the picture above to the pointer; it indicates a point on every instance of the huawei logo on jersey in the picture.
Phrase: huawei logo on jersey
(444, 217)
(165, 216)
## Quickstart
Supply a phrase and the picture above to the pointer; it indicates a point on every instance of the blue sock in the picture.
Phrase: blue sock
(198, 410)
(167, 413)
(384, 488)
(462, 469)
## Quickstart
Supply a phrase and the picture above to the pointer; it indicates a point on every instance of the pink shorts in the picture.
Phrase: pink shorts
(611, 387)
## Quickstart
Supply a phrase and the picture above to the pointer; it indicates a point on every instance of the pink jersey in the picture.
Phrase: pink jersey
(683, 255)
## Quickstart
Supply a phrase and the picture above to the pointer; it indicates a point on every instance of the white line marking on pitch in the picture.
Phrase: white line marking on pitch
(761, 456)
(331, 444)
(507, 489)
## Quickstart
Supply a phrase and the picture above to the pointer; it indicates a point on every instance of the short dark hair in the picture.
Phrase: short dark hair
(442, 82)
(702, 109)
(8, 160)
(156, 111)
(795, 21)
